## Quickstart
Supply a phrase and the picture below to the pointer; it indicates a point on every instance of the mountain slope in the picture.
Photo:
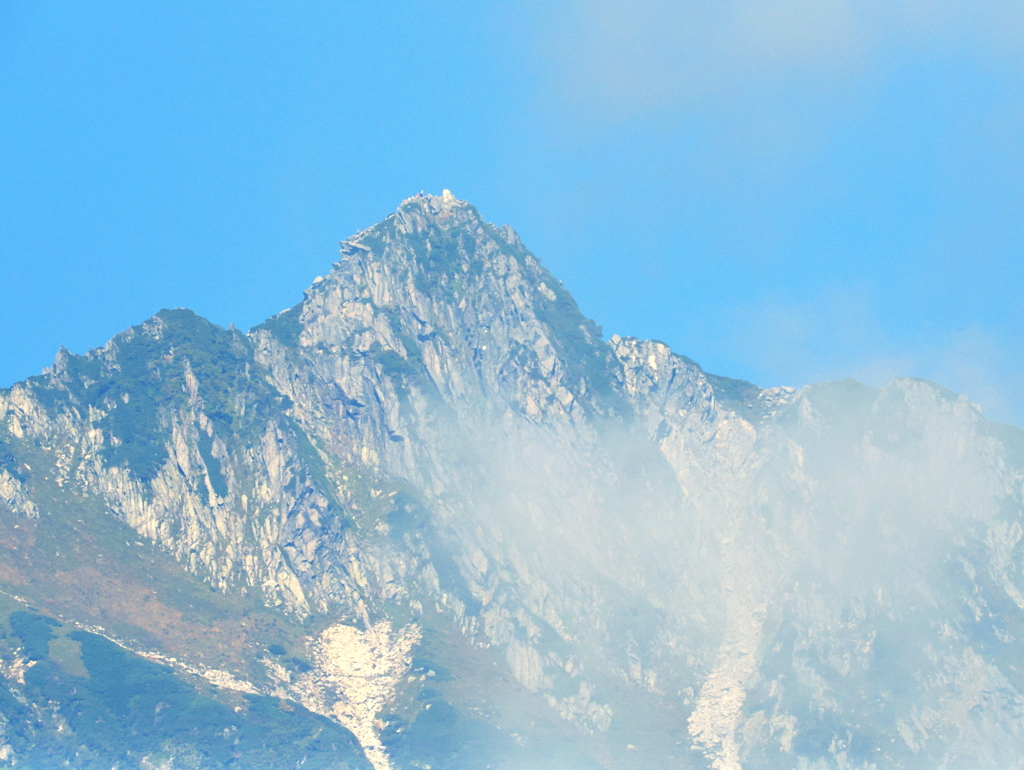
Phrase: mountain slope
(433, 505)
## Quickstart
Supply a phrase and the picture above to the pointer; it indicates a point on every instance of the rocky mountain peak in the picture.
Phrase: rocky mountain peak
(437, 296)
(444, 204)
(431, 504)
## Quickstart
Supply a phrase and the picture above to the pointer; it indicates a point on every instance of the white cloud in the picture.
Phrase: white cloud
(618, 59)
(837, 333)
(974, 362)
(832, 334)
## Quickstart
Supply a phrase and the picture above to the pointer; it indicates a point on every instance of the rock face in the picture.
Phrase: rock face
(491, 538)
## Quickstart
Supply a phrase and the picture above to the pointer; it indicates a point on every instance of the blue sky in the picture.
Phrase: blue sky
(786, 191)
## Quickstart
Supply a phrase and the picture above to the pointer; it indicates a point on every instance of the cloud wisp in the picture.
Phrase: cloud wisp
(617, 60)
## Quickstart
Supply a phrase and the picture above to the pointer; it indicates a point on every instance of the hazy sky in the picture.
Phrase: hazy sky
(784, 190)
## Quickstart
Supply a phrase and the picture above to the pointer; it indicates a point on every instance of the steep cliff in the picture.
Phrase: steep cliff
(432, 504)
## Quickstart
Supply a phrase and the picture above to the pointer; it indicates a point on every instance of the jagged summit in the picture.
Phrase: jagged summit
(441, 296)
(424, 210)
(438, 202)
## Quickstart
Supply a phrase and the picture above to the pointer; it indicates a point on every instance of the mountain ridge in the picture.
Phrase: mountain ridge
(584, 553)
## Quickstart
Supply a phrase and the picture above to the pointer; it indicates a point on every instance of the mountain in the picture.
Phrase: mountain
(430, 517)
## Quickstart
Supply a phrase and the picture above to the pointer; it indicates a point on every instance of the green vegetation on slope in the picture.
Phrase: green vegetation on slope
(147, 373)
(578, 342)
(285, 326)
(126, 708)
(738, 395)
